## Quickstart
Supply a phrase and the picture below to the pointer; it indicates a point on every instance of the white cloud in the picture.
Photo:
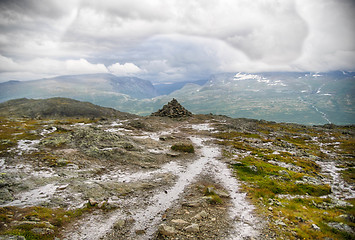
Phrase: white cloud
(46, 67)
(124, 69)
(83, 66)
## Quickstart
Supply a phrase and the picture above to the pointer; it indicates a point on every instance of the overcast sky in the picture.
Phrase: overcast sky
(174, 40)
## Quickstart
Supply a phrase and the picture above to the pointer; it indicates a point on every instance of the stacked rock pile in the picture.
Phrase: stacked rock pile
(173, 110)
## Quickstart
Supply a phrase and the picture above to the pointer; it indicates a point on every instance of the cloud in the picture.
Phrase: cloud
(124, 69)
(83, 66)
(46, 67)
(176, 40)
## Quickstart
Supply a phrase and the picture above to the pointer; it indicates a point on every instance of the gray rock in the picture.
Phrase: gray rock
(92, 202)
(311, 180)
(341, 226)
(300, 219)
(348, 217)
(283, 172)
(171, 154)
(253, 168)
(166, 230)
(192, 204)
(192, 228)
(62, 187)
(42, 231)
(281, 223)
(341, 203)
(12, 237)
(315, 227)
(119, 224)
(101, 204)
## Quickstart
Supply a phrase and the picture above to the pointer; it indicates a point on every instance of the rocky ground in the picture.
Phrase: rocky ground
(225, 179)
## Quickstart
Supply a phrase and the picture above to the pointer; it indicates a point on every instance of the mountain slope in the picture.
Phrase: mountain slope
(88, 87)
(306, 98)
(56, 107)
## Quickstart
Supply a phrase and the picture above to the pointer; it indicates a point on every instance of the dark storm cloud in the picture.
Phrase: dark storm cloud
(174, 40)
(20, 9)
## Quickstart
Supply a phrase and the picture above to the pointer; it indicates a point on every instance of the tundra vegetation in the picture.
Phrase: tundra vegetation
(299, 178)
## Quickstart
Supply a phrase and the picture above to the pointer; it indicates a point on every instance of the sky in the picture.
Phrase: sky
(174, 40)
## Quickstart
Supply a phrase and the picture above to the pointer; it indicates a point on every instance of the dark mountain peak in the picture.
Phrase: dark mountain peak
(173, 110)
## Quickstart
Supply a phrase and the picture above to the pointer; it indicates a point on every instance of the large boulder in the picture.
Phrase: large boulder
(173, 110)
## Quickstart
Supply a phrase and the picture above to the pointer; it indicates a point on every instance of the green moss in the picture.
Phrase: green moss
(349, 175)
(183, 147)
(58, 217)
(266, 177)
(348, 146)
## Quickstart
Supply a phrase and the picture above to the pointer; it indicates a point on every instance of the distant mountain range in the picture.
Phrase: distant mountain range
(56, 107)
(85, 87)
(307, 98)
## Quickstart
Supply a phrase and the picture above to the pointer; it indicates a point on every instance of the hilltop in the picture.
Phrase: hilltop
(56, 108)
(160, 177)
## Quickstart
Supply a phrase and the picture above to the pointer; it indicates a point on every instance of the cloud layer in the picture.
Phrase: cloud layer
(174, 40)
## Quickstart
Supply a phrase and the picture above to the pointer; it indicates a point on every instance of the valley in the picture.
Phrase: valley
(295, 97)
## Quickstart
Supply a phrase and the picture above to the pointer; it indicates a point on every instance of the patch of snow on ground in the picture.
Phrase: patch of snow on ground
(127, 177)
(340, 188)
(241, 211)
(288, 166)
(115, 124)
(48, 131)
(26, 145)
(81, 125)
(2, 162)
(120, 131)
(33, 197)
(157, 151)
(154, 136)
(149, 218)
(202, 127)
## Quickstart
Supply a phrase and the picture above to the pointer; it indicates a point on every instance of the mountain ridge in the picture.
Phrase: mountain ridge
(298, 97)
(56, 107)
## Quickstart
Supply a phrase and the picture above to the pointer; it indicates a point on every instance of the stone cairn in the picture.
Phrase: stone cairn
(173, 110)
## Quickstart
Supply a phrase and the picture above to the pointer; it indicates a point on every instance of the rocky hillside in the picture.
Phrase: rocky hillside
(56, 107)
(196, 177)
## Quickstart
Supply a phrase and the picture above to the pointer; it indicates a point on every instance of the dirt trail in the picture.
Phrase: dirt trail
(145, 197)
(141, 218)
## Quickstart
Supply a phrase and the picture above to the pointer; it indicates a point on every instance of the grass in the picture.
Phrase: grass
(266, 183)
(57, 217)
(268, 180)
